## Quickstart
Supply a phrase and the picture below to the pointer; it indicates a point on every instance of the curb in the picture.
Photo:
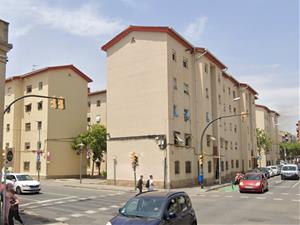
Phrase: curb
(218, 187)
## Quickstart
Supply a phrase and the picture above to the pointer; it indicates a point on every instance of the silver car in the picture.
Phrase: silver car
(289, 171)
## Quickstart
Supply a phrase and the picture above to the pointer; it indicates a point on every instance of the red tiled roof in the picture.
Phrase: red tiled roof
(211, 57)
(96, 92)
(50, 68)
(267, 109)
(162, 29)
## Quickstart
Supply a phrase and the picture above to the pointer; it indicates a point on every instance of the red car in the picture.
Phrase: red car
(254, 182)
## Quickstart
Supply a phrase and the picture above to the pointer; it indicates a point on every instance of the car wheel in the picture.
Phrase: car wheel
(194, 223)
(18, 190)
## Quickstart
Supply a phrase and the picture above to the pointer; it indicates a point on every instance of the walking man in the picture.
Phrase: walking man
(150, 183)
(140, 184)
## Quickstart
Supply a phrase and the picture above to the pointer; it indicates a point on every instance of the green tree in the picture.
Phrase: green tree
(95, 140)
(264, 142)
(292, 149)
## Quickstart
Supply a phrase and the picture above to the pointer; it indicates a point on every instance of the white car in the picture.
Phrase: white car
(271, 172)
(289, 171)
(23, 183)
(275, 170)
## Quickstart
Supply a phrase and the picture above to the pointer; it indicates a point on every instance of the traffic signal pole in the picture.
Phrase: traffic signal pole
(60, 100)
(201, 152)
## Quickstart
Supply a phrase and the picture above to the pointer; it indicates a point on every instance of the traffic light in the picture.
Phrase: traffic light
(61, 103)
(136, 160)
(53, 102)
(201, 159)
(132, 156)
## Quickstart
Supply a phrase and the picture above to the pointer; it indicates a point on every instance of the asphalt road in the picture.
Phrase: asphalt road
(280, 205)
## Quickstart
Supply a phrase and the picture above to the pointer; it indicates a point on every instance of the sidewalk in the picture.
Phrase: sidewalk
(100, 184)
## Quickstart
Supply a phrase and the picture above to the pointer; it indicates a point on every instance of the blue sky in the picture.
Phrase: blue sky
(257, 39)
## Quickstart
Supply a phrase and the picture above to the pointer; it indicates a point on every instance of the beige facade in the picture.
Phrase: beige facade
(267, 120)
(161, 87)
(32, 119)
(96, 115)
(4, 48)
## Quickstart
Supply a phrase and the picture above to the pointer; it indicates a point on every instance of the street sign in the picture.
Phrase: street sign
(9, 156)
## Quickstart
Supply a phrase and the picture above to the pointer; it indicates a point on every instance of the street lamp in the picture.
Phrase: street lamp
(162, 144)
(80, 147)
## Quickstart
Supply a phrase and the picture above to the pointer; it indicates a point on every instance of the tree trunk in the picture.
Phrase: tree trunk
(93, 167)
(99, 167)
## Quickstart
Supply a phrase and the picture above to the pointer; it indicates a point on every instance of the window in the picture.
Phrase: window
(177, 167)
(185, 62)
(250, 163)
(220, 99)
(187, 139)
(40, 86)
(222, 165)
(235, 129)
(223, 88)
(174, 83)
(186, 115)
(219, 77)
(98, 103)
(221, 142)
(29, 89)
(229, 108)
(186, 89)
(229, 91)
(230, 126)
(89, 119)
(233, 94)
(26, 166)
(236, 146)
(206, 93)
(98, 119)
(28, 108)
(226, 145)
(174, 55)
(27, 126)
(9, 91)
(206, 68)
(207, 117)
(224, 107)
(225, 126)
(39, 125)
(227, 167)
(232, 164)
(237, 163)
(27, 145)
(231, 145)
(209, 166)
(40, 105)
(177, 139)
(188, 167)
(7, 127)
(234, 110)
(175, 112)
(89, 104)
(208, 140)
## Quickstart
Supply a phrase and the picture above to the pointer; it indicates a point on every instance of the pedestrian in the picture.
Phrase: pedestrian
(8, 188)
(14, 208)
(150, 183)
(140, 184)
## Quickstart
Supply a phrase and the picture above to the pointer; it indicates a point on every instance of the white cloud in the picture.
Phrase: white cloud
(84, 20)
(195, 29)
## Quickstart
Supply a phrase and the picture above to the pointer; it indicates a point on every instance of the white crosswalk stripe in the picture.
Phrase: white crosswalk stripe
(277, 199)
(103, 209)
(90, 212)
(76, 215)
(62, 219)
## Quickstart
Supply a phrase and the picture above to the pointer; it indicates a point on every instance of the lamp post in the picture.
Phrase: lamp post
(80, 173)
(162, 144)
(115, 171)
(200, 170)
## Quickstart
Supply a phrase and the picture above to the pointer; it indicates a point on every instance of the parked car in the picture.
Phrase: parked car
(262, 170)
(23, 183)
(156, 208)
(289, 171)
(276, 170)
(271, 171)
(254, 182)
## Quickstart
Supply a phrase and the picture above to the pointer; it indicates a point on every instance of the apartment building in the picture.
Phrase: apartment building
(4, 49)
(267, 120)
(32, 124)
(161, 93)
(96, 115)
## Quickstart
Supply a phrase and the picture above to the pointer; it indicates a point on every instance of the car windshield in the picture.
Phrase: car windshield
(291, 168)
(252, 177)
(24, 177)
(143, 207)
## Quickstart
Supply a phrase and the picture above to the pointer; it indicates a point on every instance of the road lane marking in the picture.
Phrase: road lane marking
(51, 193)
(90, 212)
(76, 215)
(294, 185)
(215, 195)
(284, 193)
(46, 204)
(49, 200)
(60, 202)
(114, 206)
(296, 200)
(260, 198)
(103, 209)
(277, 199)
(62, 219)
(244, 197)
(297, 194)
(269, 193)
(228, 196)
(31, 213)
